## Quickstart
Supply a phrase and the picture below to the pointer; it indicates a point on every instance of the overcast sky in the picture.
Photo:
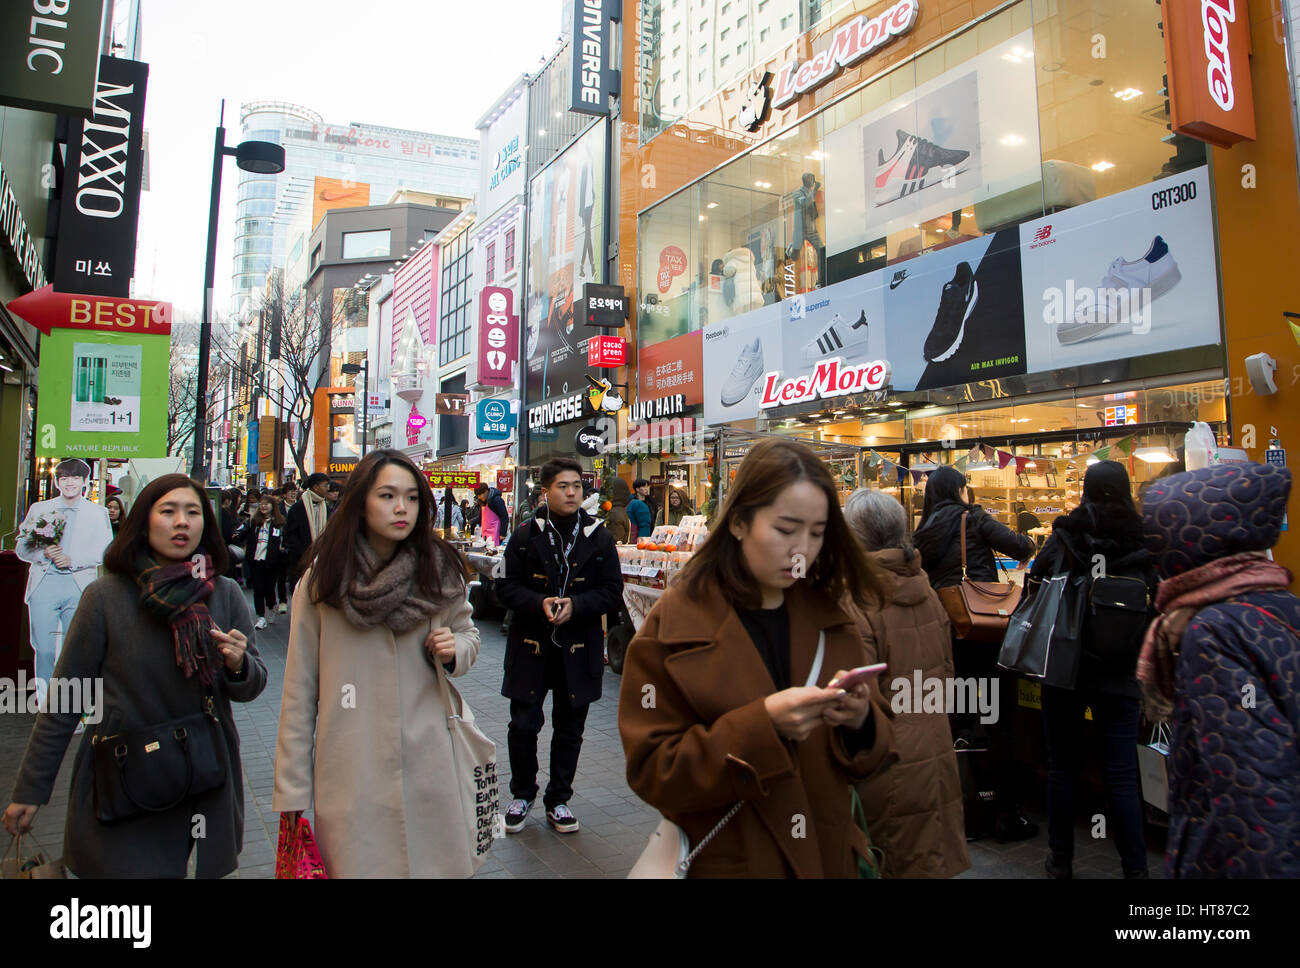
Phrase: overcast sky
(429, 65)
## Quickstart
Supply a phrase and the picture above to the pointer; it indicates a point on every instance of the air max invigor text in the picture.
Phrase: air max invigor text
(955, 306)
(915, 164)
(748, 368)
(1127, 290)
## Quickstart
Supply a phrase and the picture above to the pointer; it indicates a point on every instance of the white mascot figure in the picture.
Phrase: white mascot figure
(740, 284)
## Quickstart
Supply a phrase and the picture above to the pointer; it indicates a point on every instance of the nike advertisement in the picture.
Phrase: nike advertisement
(955, 315)
(935, 150)
(1126, 276)
(566, 238)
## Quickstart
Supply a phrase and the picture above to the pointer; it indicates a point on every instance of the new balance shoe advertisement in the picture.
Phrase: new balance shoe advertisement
(736, 355)
(935, 151)
(1126, 276)
(955, 317)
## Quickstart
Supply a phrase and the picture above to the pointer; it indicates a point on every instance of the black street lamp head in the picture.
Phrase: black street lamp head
(352, 369)
(260, 157)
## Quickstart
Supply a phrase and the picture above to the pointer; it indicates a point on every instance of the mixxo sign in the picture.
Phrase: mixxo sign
(101, 191)
(1207, 51)
(497, 340)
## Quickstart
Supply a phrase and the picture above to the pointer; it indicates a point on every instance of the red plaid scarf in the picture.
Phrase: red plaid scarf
(176, 596)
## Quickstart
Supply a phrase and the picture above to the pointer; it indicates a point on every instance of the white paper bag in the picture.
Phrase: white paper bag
(1153, 768)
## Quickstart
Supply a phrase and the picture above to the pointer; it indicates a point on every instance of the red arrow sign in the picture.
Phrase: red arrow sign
(46, 309)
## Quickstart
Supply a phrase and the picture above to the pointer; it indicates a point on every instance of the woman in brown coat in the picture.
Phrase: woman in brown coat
(725, 696)
(914, 810)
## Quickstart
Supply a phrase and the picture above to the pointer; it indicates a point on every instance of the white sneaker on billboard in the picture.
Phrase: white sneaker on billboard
(748, 368)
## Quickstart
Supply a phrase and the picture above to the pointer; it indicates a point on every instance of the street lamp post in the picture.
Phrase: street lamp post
(260, 157)
(364, 369)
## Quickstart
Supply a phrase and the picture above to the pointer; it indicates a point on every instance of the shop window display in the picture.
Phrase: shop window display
(962, 189)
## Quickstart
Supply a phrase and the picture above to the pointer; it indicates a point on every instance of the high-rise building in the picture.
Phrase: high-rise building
(330, 166)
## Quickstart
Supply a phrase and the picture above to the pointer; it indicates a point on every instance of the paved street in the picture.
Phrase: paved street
(615, 823)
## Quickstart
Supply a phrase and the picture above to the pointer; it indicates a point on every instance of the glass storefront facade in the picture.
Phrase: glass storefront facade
(970, 215)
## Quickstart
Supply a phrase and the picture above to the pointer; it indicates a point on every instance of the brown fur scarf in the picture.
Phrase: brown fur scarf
(379, 593)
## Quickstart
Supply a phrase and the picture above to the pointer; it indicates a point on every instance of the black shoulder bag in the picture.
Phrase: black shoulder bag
(156, 768)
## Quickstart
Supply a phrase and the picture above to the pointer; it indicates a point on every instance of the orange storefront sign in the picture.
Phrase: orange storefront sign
(1207, 50)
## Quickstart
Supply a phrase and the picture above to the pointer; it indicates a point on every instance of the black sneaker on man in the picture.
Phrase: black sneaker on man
(562, 819)
(517, 815)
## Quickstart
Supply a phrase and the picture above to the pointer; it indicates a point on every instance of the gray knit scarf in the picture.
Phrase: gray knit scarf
(379, 593)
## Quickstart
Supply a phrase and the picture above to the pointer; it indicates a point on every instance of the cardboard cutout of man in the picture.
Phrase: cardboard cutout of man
(60, 573)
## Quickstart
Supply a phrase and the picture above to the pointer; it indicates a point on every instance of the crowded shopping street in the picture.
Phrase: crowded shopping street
(617, 441)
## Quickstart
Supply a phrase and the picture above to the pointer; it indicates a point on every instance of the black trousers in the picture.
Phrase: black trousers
(526, 721)
(282, 581)
(1117, 720)
(980, 660)
(262, 577)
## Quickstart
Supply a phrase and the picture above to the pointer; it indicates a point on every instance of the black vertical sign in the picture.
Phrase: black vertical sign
(100, 204)
(593, 79)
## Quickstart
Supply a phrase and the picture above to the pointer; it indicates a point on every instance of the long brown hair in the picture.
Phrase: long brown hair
(133, 536)
(439, 571)
(277, 518)
(840, 568)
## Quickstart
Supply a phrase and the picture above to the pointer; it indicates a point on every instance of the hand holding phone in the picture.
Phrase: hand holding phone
(851, 679)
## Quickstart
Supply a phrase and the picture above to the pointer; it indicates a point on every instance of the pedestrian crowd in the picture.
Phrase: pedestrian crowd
(759, 707)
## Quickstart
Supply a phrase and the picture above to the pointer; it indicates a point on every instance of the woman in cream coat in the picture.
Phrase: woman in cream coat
(378, 620)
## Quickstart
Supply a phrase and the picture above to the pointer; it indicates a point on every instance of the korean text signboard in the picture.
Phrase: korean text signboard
(441, 479)
(49, 54)
(101, 190)
(498, 341)
(495, 421)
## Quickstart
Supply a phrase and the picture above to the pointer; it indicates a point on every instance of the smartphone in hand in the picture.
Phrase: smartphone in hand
(854, 677)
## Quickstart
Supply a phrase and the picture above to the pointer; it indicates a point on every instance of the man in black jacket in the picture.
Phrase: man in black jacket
(299, 532)
(561, 575)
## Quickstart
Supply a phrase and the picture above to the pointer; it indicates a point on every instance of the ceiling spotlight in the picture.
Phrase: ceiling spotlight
(1012, 140)
(1128, 94)
(1103, 166)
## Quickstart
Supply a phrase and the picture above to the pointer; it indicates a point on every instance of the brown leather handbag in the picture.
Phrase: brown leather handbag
(979, 609)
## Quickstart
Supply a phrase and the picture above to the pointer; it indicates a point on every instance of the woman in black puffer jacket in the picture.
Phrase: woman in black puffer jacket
(938, 539)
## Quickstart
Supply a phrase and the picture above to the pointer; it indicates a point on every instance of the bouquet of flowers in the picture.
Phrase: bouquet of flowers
(46, 531)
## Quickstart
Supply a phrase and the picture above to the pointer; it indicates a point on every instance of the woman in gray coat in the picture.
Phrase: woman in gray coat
(151, 631)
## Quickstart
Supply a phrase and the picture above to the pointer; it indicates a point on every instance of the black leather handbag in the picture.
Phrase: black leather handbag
(156, 768)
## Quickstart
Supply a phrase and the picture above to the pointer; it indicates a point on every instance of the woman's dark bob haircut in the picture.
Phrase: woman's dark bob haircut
(132, 539)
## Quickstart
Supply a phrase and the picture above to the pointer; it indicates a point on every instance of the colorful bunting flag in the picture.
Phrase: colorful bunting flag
(1124, 446)
(1102, 453)
(1295, 331)
(1004, 458)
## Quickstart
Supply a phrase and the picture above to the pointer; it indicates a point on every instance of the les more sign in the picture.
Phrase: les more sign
(1207, 50)
(830, 378)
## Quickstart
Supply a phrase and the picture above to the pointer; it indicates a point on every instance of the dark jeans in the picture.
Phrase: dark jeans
(1117, 718)
(526, 721)
(980, 660)
(262, 577)
(282, 582)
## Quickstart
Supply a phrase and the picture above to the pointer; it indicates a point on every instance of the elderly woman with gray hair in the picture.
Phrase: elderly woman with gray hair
(914, 809)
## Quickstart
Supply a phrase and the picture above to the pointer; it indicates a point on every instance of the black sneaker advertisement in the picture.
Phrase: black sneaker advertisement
(957, 316)
(1005, 304)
